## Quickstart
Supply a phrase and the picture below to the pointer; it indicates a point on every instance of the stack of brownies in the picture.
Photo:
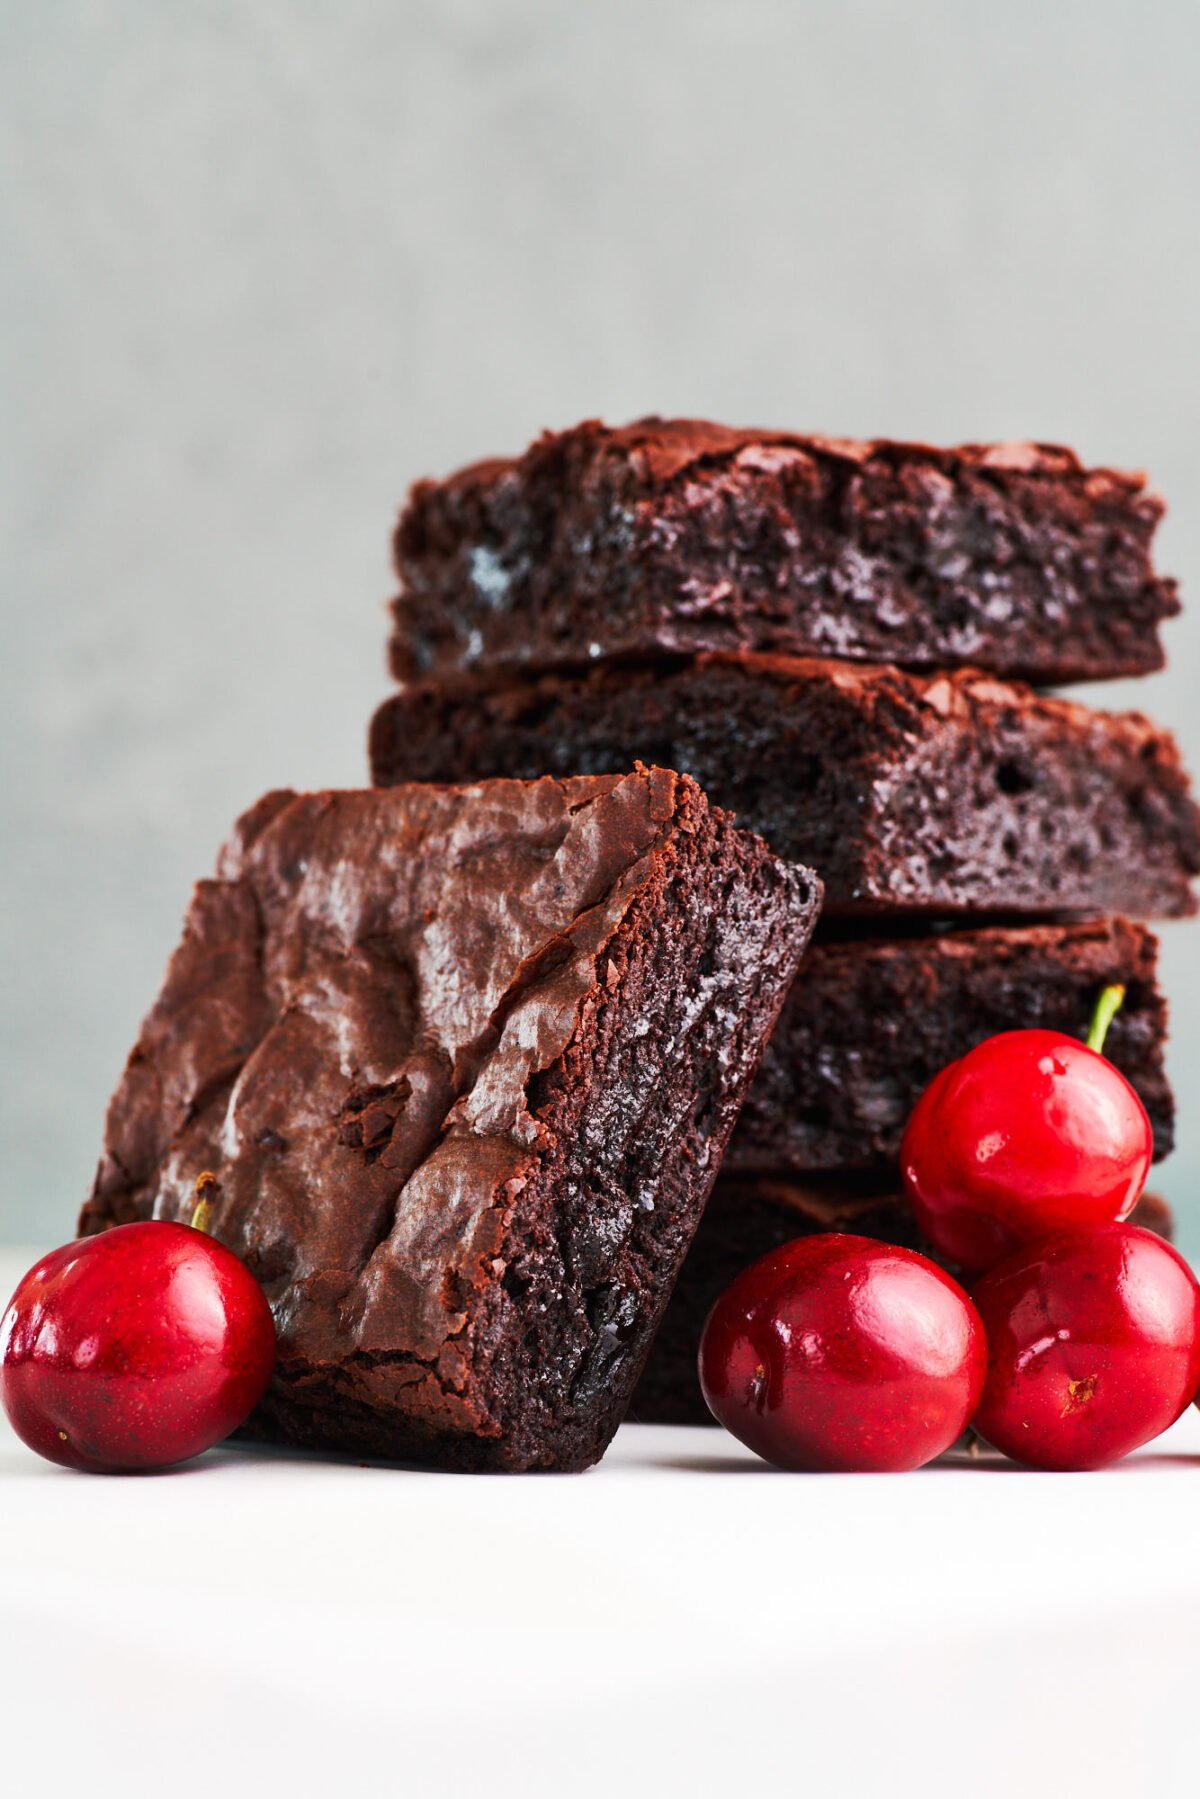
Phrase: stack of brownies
(835, 639)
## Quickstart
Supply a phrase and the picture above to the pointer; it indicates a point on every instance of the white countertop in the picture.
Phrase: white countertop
(681, 1620)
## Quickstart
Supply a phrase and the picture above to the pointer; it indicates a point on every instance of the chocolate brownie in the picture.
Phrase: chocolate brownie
(870, 1022)
(944, 794)
(672, 535)
(746, 1218)
(463, 1063)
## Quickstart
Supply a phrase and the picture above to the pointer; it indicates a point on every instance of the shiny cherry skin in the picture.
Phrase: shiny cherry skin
(1028, 1134)
(840, 1353)
(134, 1349)
(1094, 1346)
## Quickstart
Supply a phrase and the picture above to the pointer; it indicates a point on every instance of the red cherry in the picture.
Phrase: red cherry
(1094, 1346)
(134, 1349)
(838, 1352)
(1029, 1133)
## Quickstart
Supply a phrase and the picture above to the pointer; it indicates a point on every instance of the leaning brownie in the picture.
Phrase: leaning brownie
(949, 793)
(674, 535)
(746, 1218)
(463, 1062)
(873, 1020)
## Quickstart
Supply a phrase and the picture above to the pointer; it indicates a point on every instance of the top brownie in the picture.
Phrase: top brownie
(673, 536)
(463, 1062)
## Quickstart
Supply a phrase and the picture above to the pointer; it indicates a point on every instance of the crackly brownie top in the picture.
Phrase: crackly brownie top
(663, 449)
(960, 695)
(881, 693)
(359, 1005)
(946, 694)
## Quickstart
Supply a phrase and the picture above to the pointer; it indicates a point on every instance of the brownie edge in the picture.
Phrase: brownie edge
(463, 1062)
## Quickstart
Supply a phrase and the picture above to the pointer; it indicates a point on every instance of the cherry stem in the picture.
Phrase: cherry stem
(202, 1212)
(1107, 1007)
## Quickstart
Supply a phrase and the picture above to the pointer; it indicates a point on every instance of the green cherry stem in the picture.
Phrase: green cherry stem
(202, 1212)
(1107, 1007)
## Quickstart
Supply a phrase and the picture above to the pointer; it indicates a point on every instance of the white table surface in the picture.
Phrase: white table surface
(680, 1620)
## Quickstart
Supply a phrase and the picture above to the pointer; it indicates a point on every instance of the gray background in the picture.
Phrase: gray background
(263, 264)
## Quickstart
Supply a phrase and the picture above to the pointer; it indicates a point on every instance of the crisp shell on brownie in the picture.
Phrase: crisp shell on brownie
(463, 1063)
(672, 536)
